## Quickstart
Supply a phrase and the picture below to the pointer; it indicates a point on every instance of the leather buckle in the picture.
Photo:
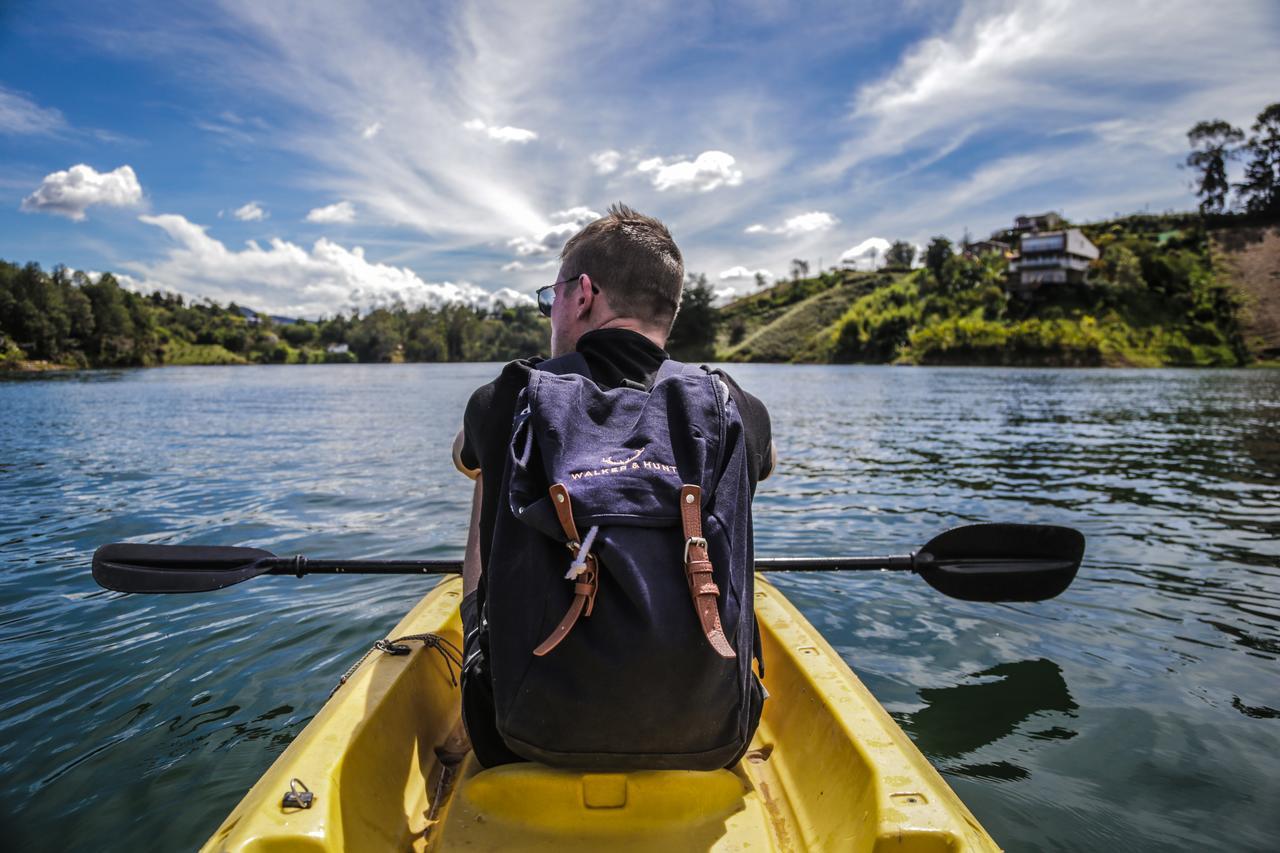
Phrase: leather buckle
(690, 542)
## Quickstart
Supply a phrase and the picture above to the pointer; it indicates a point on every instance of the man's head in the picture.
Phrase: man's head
(621, 271)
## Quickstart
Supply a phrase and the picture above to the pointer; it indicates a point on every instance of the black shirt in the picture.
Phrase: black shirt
(614, 356)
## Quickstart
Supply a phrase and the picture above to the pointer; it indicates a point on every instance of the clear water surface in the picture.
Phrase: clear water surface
(1138, 711)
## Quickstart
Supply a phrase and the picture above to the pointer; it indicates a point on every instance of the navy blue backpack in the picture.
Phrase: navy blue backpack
(619, 587)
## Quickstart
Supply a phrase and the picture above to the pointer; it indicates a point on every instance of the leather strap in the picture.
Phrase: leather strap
(585, 585)
(697, 569)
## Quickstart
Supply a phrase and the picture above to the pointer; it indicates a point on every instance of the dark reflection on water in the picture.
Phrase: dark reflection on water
(959, 719)
(1136, 711)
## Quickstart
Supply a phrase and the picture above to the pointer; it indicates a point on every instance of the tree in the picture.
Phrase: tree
(693, 336)
(1260, 190)
(799, 269)
(936, 255)
(1124, 266)
(874, 254)
(900, 256)
(761, 281)
(1211, 147)
(377, 336)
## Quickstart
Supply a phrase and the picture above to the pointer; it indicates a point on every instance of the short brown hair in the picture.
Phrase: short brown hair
(639, 266)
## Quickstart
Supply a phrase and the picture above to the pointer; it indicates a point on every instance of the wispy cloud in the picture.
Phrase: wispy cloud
(19, 115)
(606, 162)
(503, 133)
(338, 212)
(802, 223)
(1041, 66)
(72, 191)
(250, 212)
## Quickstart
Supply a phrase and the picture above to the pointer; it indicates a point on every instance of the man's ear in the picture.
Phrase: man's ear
(586, 295)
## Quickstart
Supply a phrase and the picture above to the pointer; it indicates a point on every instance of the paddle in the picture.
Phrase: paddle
(977, 562)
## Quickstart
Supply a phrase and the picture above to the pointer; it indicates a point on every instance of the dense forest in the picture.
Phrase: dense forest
(61, 318)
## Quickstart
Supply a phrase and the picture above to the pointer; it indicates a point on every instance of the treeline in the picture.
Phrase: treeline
(65, 318)
(1216, 143)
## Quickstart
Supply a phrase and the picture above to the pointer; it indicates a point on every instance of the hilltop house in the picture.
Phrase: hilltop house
(1038, 222)
(1050, 257)
(977, 248)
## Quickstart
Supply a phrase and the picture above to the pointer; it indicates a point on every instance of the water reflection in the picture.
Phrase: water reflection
(960, 719)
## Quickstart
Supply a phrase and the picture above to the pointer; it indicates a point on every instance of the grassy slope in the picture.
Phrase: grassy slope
(792, 320)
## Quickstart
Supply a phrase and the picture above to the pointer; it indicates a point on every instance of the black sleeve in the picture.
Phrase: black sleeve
(759, 431)
(473, 423)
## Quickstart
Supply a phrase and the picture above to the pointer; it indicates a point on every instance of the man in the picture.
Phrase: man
(614, 301)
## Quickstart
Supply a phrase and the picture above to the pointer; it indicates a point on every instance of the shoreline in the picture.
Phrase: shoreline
(39, 367)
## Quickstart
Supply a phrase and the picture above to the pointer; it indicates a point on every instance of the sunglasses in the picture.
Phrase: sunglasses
(546, 295)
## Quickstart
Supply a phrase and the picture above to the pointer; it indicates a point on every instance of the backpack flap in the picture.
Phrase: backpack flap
(622, 454)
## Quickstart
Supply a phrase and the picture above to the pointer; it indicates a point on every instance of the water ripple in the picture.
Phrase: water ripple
(1137, 710)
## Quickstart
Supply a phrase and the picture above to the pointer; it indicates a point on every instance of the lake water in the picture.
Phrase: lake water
(1139, 711)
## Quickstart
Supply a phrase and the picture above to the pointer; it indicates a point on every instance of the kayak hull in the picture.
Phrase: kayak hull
(386, 762)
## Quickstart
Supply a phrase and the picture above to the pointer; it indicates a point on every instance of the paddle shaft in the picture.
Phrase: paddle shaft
(300, 566)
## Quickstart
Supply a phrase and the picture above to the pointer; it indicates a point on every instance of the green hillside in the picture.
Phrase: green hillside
(1155, 297)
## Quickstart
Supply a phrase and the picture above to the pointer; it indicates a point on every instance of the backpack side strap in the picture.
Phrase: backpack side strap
(586, 581)
(697, 568)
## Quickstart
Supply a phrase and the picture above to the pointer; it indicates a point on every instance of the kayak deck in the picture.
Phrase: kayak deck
(385, 759)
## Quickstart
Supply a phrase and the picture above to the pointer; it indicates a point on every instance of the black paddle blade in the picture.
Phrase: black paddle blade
(1002, 562)
(131, 567)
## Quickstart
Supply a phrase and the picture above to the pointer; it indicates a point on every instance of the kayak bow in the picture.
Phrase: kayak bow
(386, 766)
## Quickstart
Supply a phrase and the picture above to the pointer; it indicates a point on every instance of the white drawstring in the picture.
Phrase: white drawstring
(579, 564)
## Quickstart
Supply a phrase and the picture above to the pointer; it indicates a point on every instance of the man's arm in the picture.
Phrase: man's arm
(471, 558)
(458, 442)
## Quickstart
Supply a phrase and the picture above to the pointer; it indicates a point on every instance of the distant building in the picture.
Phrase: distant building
(986, 247)
(338, 349)
(1051, 257)
(1039, 222)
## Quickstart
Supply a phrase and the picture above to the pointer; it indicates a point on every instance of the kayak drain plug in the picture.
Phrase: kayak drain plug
(298, 796)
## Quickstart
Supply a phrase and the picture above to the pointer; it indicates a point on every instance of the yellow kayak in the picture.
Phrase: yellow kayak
(386, 765)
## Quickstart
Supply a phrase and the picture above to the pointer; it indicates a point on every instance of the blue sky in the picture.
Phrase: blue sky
(307, 157)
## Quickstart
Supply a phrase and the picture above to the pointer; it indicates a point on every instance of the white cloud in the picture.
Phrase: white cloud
(501, 134)
(606, 162)
(1019, 65)
(741, 272)
(550, 239)
(285, 278)
(69, 193)
(342, 211)
(709, 171)
(803, 223)
(372, 130)
(523, 266)
(251, 212)
(19, 115)
(868, 254)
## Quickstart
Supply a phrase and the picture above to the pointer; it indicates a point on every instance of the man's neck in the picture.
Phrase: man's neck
(633, 326)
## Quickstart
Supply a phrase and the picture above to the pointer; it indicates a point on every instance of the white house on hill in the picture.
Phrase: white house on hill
(1051, 257)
